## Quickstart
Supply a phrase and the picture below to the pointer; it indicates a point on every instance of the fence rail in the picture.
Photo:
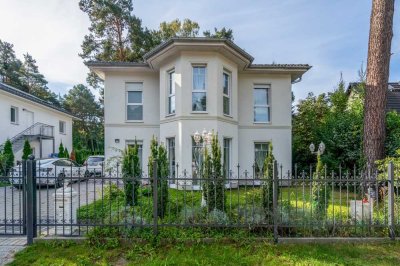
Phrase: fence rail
(72, 201)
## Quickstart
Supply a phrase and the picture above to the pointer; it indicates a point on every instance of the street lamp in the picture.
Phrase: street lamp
(321, 148)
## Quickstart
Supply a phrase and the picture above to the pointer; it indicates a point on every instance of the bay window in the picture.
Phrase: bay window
(171, 92)
(226, 93)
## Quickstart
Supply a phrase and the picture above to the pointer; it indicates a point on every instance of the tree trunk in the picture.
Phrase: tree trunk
(380, 38)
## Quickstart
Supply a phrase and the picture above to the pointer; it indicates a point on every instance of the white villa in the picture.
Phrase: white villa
(28, 117)
(191, 84)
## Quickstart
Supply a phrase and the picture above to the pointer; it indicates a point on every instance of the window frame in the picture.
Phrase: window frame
(266, 106)
(199, 91)
(133, 104)
(16, 115)
(171, 84)
(228, 96)
(64, 125)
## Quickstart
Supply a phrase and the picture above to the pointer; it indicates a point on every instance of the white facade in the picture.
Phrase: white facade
(189, 59)
(20, 112)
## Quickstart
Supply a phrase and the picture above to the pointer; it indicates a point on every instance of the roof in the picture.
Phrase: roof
(34, 99)
(170, 41)
(393, 95)
(221, 45)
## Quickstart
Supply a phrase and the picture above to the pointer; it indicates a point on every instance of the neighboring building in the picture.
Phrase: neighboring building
(190, 84)
(28, 117)
(393, 95)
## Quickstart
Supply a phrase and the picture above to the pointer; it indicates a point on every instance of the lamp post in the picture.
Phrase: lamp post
(202, 141)
(320, 151)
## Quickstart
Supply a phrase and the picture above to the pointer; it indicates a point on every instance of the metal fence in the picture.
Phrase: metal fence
(72, 201)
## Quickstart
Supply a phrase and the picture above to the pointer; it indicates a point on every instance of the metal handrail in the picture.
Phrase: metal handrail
(36, 129)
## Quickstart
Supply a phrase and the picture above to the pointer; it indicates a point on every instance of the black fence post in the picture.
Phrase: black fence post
(155, 198)
(30, 199)
(275, 200)
(24, 200)
(391, 219)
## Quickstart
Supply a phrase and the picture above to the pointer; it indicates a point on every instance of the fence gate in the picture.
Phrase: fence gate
(13, 201)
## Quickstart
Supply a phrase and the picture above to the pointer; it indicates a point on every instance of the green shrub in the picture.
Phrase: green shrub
(321, 190)
(267, 185)
(192, 215)
(104, 237)
(27, 150)
(214, 184)
(131, 173)
(6, 158)
(217, 217)
(158, 154)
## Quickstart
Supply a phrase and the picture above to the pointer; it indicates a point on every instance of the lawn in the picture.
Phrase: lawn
(235, 253)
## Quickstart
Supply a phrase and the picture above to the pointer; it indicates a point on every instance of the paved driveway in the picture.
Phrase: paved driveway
(11, 207)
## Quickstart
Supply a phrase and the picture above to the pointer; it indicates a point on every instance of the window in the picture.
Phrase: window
(171, 157)
(226, 93)
(14, 115)
(134, 101)
(171, 92)
(61, 125)
(261, 104)
(227, 157)
(260, 152)
(139, 143)
(199, 94)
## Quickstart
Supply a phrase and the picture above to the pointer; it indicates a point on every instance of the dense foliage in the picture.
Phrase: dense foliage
(267, 185)
(6, 158)
(27, 150)
(158, 155)
(23, 74)
(130, 174)
(213, 186)
(321, 190)
(336, 119)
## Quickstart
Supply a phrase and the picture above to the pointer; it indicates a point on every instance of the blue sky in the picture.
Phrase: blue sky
(332, 36)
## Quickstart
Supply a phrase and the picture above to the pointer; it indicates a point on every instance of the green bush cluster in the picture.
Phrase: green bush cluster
(6, 158)
(158, 155)
(131, 173)
(267, 184)
(214, 181)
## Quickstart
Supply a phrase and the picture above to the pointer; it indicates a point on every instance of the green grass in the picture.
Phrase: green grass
(243, 253)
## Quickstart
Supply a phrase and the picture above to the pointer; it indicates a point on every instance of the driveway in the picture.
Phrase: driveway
(11, 207)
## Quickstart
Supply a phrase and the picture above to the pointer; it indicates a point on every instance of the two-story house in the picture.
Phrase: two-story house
(25, 116)
(187, 85)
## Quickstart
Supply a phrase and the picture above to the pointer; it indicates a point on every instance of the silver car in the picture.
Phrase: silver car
(53, 172)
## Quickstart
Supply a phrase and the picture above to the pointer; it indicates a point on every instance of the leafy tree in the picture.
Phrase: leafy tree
(267, 185)
(88, 132)
(61, 151)
(176, 28)
(131, 174)
(7, 157)
(66, 153)
(223, 33)
(9, 65)
(158, 154)
(392, 142)
(307, 124)
(213, 186)
(27, 150)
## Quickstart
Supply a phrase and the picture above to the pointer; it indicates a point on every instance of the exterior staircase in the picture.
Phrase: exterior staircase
(37, 131)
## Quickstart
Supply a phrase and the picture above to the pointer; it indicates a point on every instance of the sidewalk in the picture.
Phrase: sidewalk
(9, 246)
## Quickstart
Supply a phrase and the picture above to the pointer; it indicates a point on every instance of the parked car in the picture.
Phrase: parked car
(54, 172)
(95, 165)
